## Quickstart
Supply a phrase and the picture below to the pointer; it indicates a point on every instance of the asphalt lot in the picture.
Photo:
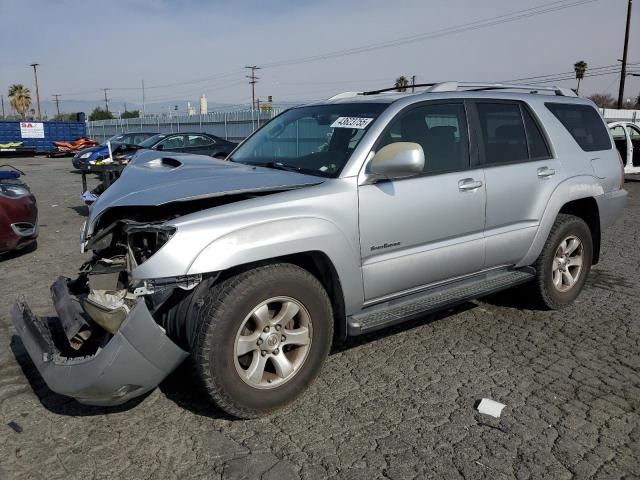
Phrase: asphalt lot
(398, 404)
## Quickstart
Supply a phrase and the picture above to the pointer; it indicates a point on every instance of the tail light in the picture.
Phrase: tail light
(621, 170)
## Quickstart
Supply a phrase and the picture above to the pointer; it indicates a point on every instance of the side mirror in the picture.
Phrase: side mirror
(159, 147)
(396, 160)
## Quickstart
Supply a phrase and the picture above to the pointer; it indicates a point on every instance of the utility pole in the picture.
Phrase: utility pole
(35, 74)
(253, 80)
(143, 105)
(623, 73)
(2, 98)
(106, 100)
(413, 83)
(56, 95)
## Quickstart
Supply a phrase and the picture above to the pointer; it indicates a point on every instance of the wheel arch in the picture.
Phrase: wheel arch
(575, 196)
(587, 209)
(320, 266)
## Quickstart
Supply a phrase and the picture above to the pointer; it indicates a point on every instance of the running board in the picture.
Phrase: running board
(437, 298)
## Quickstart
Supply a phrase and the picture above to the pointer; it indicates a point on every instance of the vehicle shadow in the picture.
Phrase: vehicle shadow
(181, 388)
(82, 210)
(52, 401)
(19, 253)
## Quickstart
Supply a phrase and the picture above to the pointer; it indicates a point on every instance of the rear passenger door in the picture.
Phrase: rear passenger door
(520, 175)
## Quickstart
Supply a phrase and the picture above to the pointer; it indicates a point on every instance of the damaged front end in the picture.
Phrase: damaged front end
(105, 347)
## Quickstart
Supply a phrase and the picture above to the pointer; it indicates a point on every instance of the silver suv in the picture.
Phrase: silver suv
(334, 219)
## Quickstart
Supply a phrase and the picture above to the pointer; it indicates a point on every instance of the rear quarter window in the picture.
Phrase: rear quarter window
(585, 125)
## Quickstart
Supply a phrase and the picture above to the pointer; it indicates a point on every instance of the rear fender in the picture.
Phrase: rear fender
(574, 188)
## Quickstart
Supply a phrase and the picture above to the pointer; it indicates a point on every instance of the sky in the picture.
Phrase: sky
(185, 48)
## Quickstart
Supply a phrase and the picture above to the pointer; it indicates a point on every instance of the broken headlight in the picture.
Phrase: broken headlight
(144, 241)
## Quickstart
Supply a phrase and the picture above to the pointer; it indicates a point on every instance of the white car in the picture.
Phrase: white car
(627, 138)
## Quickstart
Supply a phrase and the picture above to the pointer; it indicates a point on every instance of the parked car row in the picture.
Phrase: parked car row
(126, 145)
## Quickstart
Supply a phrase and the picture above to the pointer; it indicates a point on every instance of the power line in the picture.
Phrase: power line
(475, 25)
(470, 26)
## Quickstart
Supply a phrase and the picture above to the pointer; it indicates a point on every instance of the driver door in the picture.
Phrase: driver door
(419, 231)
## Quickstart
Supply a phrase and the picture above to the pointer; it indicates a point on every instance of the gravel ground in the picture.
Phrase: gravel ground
(398, 404)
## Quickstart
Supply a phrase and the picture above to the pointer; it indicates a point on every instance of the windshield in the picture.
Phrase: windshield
(151, 141)
(317, 139)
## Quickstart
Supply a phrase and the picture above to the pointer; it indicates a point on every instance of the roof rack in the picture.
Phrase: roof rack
(471, 86)
(468, 86)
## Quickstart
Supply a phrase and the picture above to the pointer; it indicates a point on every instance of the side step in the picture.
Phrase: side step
(406, 308)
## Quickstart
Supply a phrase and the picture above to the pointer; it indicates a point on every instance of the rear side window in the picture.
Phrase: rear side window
(584, 124)
(538, 148)
(503, 134)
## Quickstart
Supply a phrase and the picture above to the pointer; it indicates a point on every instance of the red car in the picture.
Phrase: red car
(18, 212)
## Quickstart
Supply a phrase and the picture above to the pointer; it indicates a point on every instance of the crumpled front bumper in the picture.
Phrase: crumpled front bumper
(134, 361)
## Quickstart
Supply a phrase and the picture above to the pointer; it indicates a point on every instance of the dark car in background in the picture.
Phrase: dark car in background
(189, 142)
(88, 157)
(18, 212)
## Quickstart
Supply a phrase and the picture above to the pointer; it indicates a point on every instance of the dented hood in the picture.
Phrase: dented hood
(151, 180)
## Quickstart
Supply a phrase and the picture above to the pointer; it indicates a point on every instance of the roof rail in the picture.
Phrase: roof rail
(458, 86)
(345, 95)
(467, 86)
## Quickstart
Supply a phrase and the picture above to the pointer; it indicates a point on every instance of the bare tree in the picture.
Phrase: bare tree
(603, 100)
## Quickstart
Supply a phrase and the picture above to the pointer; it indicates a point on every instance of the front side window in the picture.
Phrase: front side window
(317, 140)
(634, 133)
(584, 123)
(441, 131)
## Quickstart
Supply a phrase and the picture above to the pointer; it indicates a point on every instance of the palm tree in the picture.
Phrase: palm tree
(402, 83)
(580, 68)
(20, 98)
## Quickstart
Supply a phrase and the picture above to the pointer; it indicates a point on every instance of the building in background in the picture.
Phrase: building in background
(191, 109)
(204, 109)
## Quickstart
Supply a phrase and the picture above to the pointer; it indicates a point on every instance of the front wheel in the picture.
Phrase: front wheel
(563, 265)
(262, 338)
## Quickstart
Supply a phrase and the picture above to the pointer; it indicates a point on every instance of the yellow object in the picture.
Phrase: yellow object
(11, 145)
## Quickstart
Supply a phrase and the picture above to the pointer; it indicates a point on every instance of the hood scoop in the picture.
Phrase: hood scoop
(166, 163)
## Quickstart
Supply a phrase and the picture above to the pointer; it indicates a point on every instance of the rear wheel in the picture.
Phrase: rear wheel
(563, 265)
(262, 338)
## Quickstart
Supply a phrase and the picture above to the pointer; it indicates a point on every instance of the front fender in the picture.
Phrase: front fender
(574, 188)
(286, 237)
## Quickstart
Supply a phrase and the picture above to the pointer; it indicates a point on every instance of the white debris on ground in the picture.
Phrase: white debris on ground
(490, 407)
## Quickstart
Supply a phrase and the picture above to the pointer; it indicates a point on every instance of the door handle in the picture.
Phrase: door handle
(469, 184)
(546, 172)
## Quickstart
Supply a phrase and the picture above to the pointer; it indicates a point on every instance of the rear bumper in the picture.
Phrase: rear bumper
(610, 206)
(134, 361)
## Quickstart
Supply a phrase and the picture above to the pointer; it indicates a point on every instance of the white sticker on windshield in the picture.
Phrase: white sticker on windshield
(351, 122)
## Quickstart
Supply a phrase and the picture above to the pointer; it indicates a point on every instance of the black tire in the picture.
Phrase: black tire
(226, 306)
(545, 293)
